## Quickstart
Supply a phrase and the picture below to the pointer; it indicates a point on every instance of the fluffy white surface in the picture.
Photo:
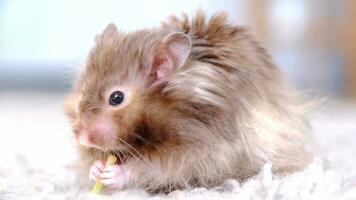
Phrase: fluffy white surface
(36, 153)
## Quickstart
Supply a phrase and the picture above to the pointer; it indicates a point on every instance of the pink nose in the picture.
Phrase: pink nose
(99, 133)
(90, 139)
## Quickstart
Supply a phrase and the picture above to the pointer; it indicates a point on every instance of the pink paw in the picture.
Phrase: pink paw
(114, 175)
(96, 169)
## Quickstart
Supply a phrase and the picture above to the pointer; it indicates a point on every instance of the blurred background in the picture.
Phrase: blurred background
(312, 41)
(42, 42)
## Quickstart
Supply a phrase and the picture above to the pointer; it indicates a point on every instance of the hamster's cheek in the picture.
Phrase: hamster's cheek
(71, 107)
(120, 127)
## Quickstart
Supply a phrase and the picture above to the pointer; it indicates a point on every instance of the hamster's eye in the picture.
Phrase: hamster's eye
(116, 98)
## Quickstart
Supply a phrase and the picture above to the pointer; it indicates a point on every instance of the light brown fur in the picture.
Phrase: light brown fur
(223, 114)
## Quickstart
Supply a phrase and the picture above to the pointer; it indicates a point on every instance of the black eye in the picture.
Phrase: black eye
(116, 98)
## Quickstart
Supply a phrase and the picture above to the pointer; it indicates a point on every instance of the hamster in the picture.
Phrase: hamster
(190, 103)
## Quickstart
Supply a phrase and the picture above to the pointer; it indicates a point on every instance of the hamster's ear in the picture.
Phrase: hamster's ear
(109, 34)
(167, 56)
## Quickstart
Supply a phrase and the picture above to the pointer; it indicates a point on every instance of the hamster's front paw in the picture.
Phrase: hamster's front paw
(96, 169)
(114, 176)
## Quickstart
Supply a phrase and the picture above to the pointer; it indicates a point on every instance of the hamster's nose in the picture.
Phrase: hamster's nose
(98, 133)
(84, 140)
(90, 139)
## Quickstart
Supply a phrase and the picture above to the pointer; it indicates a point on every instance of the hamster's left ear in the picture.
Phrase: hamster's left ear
(167, 56)
(109, 34)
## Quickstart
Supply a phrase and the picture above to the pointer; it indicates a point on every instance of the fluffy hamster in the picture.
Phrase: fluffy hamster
(190, 103)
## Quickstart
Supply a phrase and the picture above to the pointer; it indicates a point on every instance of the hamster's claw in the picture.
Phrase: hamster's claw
(114, 176)
(95, 170)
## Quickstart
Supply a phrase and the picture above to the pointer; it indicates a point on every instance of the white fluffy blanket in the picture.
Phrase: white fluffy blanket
(36, 154)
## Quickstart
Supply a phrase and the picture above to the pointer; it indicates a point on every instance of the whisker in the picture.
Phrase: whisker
(137, 157)
(131, 147)
(127, 148)
(118, 154)
(137, 136)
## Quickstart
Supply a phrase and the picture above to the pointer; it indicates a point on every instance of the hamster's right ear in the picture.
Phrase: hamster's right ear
(109, 34)
(166, 56)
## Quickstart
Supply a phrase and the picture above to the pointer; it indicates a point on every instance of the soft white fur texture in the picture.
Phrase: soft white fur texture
(37, 154)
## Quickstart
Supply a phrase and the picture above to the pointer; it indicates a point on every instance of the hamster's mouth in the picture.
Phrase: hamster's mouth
(104, 147)
(97, 147)
(96, 141)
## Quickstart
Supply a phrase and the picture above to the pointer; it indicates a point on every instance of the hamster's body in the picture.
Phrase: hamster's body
(221, 108)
